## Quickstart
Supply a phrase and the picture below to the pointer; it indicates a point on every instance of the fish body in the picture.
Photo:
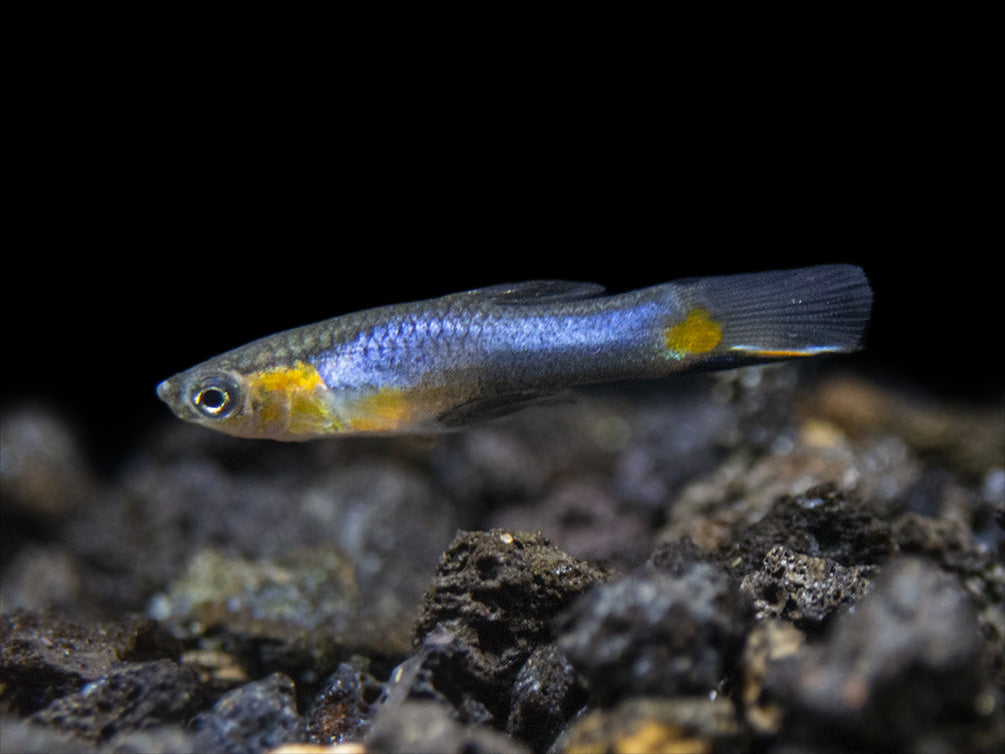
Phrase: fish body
(435, 365)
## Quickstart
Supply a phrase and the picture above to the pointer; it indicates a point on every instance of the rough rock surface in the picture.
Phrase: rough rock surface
(495, 598)
(130, 697)
(803, 588)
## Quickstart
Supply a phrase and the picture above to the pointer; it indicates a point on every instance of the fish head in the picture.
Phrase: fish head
(278, 402)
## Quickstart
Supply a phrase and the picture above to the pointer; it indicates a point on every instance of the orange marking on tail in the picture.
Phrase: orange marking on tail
(698, 333)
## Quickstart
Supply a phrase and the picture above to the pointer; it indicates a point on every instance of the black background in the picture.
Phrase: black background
(171, 201)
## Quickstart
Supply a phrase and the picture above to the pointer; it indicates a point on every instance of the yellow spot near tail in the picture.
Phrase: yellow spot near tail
(382, 411)
(698, 333)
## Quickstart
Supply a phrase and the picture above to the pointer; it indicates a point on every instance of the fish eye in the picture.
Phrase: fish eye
(216, 397)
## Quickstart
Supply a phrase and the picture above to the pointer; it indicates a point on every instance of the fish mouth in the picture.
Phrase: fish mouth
(167, 391)
(164, 390)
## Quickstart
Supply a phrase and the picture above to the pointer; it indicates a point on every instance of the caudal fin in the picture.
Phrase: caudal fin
(785, 313)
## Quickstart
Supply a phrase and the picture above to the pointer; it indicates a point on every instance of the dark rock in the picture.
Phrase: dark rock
(251, 719)
(44, 657)
(342, 711)
(715, 510)
(949, 542)
(545, 696)
(900, 673)
(677, 557)
(822, 523)
(800, 588)
(132, 696)
(652, 634)
(419, 727)
(493, 601)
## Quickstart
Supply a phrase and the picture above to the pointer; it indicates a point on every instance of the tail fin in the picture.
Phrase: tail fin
(785, 313)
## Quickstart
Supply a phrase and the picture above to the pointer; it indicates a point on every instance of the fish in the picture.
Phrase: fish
(457, 360)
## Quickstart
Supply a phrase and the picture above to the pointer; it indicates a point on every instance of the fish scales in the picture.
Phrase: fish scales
(435, 365)
(433, 343)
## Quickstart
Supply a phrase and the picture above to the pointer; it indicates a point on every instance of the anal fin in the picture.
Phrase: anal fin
(496, 406)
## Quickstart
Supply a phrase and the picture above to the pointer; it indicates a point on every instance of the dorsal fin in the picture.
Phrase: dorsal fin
(537, 292)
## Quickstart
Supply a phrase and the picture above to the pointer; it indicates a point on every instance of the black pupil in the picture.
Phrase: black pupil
(212, 398)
